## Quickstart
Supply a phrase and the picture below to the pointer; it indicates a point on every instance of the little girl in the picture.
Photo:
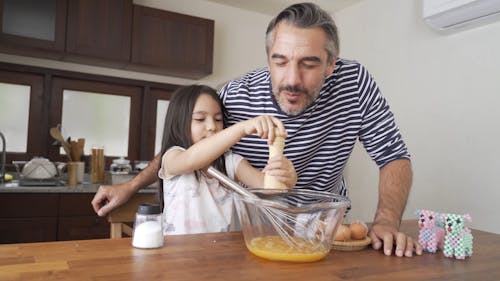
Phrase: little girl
(193, 139)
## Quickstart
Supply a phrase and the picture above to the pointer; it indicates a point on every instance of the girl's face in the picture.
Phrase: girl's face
(206, 119)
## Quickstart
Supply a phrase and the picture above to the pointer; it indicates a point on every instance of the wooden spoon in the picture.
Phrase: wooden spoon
(77, 149)
(56, 134)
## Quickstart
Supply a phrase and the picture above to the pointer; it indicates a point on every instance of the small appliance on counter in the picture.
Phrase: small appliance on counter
(120, 166)
(140, 165)
(121, 171)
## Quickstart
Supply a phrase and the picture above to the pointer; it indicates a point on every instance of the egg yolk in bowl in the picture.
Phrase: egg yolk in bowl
(275, 248)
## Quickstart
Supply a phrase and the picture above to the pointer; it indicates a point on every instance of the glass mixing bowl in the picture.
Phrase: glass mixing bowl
(276, 227)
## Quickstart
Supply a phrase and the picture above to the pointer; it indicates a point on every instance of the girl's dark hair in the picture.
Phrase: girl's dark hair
(177, 130)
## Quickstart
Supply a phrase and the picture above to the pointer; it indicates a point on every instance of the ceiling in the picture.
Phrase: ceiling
(273, 7)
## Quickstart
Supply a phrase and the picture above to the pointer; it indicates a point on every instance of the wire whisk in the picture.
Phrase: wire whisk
(281, 216)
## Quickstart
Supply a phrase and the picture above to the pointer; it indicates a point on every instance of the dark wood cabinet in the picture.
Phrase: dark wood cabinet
(33, 27)
(77, 219)
(39, 217)
(110, 33)
(27, 230)
(99, 29)
(82, 228)
(28, 217)
(172, 43)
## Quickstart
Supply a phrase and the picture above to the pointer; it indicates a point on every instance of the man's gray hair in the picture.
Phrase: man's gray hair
(307, 15)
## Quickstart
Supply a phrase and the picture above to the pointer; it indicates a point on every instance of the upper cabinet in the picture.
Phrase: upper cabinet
(111, 33)
(33, 25)
(172, 43)
(100, 29)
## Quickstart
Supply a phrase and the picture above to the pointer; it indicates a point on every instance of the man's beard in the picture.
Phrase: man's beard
(310, 96)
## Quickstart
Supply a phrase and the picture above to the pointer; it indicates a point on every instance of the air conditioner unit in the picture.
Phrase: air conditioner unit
(453, 15)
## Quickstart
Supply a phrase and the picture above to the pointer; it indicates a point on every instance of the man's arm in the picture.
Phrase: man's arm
(394, 189)
(109, 197)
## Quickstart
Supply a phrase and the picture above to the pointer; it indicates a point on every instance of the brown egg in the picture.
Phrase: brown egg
(359, 230)
(343, 233)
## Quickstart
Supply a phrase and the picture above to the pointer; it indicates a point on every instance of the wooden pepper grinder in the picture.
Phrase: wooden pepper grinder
(275, 149)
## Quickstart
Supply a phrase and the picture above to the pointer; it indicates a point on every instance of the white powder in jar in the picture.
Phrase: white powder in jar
(148, 235)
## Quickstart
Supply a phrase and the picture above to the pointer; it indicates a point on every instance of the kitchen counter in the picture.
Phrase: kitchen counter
(85, 187)
(81, 188)
(222, 256)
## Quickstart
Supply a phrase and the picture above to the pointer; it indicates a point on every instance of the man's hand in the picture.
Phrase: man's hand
(109, 197)
(386, 235)
(394, 189)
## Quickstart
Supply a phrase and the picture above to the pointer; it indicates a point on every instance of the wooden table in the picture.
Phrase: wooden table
(223, 256)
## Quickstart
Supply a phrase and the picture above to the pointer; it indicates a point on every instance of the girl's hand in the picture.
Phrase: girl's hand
(282, 169)
(264, 127)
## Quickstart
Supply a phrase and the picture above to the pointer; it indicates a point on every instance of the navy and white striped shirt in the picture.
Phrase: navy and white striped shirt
(320, 140)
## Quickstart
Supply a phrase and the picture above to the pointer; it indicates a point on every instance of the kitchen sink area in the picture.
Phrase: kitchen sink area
(60, 185)
(41, 175)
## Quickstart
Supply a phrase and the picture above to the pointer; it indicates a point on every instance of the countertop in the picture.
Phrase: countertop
(84, 187)
(223, 256)
(81, 188)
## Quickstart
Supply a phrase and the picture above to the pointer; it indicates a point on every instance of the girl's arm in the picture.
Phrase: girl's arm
(201, 154)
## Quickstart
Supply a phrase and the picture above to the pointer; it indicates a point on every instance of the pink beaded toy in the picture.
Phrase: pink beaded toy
(431, 234)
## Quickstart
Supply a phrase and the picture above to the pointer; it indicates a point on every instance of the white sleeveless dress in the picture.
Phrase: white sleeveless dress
(193, 206)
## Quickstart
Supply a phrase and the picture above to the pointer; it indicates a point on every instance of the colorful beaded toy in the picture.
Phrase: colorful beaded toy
(458, 239)
(445, 231)
(431, 234)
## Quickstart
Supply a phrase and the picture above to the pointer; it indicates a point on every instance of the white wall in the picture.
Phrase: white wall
(238, 44)
(445, 94)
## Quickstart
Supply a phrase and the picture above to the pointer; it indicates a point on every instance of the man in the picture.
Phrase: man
(326, 103)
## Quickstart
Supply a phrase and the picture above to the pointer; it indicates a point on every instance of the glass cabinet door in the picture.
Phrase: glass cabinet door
(14, 115)
(103, 119)
(21, 103)
(33, 23)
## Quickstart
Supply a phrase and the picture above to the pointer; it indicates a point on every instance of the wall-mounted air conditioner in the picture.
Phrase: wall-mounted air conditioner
(452, 15)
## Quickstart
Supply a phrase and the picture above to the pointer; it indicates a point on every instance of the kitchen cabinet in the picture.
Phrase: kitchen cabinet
(99, 29)
(109, 33)
(75, 30)
(77, 219)
(38, 217)
(28, 217)
(172, 43)
(33, 27)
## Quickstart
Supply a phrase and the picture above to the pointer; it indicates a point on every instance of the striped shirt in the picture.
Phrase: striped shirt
(320, 139)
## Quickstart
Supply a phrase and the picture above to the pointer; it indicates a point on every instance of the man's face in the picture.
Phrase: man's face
(298, 64)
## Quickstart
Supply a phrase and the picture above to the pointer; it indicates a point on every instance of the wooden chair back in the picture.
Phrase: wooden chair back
(119, 217)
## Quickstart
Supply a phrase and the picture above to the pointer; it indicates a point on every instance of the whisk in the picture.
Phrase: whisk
(276, 212)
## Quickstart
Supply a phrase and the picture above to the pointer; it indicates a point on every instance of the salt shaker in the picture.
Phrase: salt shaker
(148, 231)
